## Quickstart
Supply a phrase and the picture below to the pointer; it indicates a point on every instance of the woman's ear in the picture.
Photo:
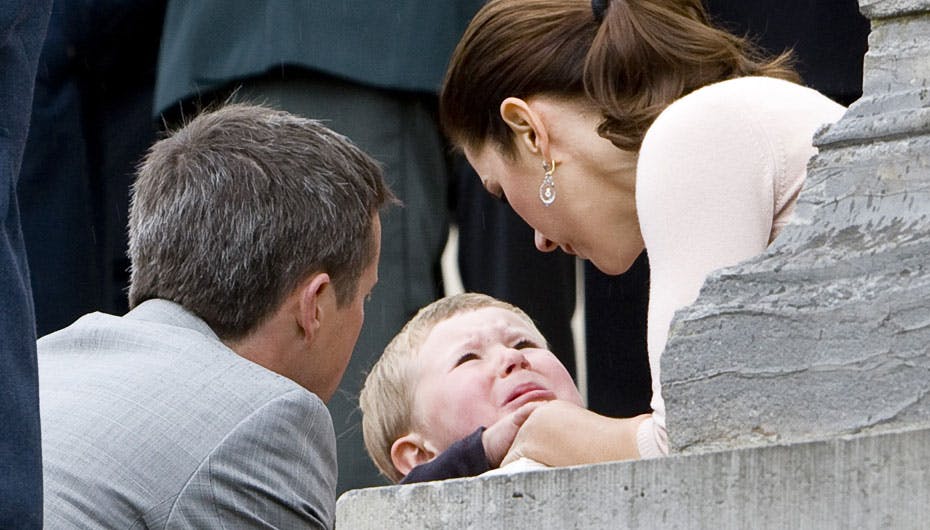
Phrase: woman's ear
(409, 451)
(527, 125)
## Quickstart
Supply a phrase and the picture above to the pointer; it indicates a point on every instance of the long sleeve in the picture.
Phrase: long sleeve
(464, 458)
(718, 175)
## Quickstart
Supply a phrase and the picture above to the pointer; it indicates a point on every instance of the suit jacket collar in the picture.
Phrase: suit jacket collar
(168, 312)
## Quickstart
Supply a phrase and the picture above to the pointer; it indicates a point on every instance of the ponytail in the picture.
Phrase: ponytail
(632, 58)
(648, 53)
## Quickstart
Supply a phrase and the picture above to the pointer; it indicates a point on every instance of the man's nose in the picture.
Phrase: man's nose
(544, 244)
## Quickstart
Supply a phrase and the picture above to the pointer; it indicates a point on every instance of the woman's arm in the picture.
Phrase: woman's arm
(563, 434)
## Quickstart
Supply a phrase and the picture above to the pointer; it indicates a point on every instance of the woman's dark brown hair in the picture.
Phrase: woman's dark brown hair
(641, 57)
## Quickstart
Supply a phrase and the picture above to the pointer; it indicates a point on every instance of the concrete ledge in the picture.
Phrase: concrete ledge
(879, 480)
(876, 9)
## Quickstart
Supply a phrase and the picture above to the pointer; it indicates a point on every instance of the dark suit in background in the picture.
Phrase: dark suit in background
(91, 123)
(369, 70)
(22, 28)
(829, 38)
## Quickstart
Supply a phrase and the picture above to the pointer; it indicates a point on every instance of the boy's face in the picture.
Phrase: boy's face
(478, 366)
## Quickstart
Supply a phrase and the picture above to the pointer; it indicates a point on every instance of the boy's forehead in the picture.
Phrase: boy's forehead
(476, 322)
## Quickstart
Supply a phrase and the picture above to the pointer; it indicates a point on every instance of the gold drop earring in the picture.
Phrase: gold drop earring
(547, 188)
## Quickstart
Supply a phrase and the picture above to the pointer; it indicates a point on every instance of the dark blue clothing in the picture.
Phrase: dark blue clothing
(22, 29)
(464, 458)
(829, 38)
(91, 124)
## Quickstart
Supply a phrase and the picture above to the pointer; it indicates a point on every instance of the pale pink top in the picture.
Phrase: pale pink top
(717, 179)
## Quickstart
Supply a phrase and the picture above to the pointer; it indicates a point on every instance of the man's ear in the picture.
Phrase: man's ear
(316, 297)
(527, 125)
(409, 451)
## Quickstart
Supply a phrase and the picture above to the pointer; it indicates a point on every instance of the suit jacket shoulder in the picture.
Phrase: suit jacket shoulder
(138, 412)
(277, 467)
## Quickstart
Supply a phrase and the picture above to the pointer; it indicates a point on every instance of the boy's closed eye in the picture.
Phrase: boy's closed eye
(470, 356)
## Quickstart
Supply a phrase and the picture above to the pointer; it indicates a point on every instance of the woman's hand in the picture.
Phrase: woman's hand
(498, 438)
(559, 433)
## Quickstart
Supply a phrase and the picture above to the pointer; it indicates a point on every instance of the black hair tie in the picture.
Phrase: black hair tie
(599, 7)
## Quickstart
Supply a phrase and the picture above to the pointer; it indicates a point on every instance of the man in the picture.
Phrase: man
(370, 71)
(254, 238)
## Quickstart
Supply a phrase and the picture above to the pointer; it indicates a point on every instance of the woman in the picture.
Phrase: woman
(614, 126)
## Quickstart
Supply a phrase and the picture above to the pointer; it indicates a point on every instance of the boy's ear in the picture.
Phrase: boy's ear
(527, 125)
(409, 451)
(314, 304)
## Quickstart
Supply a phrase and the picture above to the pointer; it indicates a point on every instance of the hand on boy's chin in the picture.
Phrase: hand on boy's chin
(543, 435)
(498, 437)
(552, 432)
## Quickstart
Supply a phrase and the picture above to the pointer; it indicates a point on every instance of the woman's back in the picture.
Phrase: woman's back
(718, 175)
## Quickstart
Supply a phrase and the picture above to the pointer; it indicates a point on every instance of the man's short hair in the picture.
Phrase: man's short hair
(233, 210)
(386, 399)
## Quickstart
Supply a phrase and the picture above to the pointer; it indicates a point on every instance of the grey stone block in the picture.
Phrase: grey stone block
(876, 9)
(829, 332)
(864, 481)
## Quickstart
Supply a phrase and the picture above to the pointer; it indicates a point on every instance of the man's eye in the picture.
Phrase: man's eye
(465, 358)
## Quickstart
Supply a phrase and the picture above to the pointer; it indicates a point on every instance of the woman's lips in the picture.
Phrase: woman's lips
(527, 392)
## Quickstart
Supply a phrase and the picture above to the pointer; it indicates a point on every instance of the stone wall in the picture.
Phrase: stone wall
(864, 481)
(829, 332)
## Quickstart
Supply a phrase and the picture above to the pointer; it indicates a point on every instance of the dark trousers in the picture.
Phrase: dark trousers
(22, 30)
(91, 124)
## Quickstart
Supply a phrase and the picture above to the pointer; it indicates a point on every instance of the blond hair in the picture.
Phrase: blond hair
(386, 399)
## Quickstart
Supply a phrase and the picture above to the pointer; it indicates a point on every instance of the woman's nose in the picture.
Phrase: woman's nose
(544, 244)
(513, 359)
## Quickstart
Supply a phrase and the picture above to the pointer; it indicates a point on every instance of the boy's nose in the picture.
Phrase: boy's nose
(513, 359)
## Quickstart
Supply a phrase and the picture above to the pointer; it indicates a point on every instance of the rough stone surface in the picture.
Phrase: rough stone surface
(829, 332)
(864, 481)
(875, 9)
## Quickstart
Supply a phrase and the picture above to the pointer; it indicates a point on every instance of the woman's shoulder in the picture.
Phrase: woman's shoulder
(738, 106)
(749, 97)
(758, 89)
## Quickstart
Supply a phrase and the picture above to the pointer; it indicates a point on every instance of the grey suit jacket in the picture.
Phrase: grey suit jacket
(149, 421)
